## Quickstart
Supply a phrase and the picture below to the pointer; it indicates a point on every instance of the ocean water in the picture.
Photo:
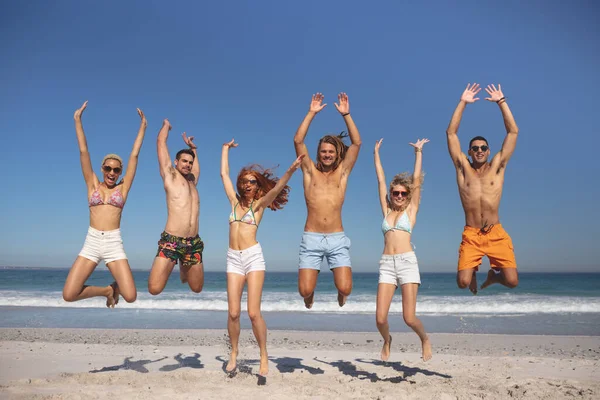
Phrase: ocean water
(541, 304)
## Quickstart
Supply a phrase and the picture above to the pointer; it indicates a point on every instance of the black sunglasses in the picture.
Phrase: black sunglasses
(397, 193)
(250, 181)
(108, 169)
(475, 149)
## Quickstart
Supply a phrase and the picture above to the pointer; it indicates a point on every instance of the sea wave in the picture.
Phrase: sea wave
(501, 304)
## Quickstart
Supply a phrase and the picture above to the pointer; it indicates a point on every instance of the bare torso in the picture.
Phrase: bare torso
(183, 205)
(480, 193)
(324, 194)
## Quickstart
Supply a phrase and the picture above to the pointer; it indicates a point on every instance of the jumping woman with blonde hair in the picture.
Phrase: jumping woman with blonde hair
(398, 265)
(257, 189)
(106, 200)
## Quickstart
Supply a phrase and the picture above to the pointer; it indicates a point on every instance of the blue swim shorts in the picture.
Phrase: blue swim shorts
(333, 246)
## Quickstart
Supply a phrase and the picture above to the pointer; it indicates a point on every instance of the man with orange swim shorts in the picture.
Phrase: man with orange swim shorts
(480, 187)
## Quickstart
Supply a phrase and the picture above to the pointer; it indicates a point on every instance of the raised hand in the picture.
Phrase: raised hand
(316, 103)
(297, 163)
(167, 123)
(469, 94)
(344, 106)
(231, 144)
(188, 141)
(420, 143)
(143, 117)
(79, 111)
(378, 145)
(495, 94)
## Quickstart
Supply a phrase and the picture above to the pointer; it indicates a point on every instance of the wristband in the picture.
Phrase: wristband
(343, 115)
(417, 150)
(502, 99)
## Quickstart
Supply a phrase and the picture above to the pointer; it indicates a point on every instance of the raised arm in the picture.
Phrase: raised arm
(135, 152)
(268, 198)
(316, 105)
(510, 141)
(164, 160)
(227, 184)
(417, 174)
(468, 96)
(381, 184)
(352, 154)
(84, 155)
(196, 165)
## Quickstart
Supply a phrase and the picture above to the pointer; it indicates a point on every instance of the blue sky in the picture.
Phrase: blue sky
(247, 70)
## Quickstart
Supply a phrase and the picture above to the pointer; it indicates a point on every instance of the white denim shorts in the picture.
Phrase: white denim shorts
(103, 245)
(399, 269)
(243, 262)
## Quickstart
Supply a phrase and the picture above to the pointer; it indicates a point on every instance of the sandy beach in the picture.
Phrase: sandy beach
(183, 364)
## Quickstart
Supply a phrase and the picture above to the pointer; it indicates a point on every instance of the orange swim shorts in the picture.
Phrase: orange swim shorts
(492, 242)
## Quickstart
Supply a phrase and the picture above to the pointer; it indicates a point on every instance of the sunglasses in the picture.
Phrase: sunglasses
(397, 193)
(475, 149)
(108, 169)
(250, 181)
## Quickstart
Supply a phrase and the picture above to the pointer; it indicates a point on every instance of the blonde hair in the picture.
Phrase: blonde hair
(404, 179)
(340, 148)
(112, 157)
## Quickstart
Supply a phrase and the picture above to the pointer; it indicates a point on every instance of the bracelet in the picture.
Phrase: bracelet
(502, 99)
(417, 150)
(343, 115)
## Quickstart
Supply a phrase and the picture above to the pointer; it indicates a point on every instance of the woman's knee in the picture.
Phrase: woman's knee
(155, 289)
(381, 320)
(129, 297)
(69, 295)
(254, 315)
(234, 315)
(410, 320)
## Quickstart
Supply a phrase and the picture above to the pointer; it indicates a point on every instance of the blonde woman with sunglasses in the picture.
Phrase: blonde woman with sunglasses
(398, 266)
(106, 200)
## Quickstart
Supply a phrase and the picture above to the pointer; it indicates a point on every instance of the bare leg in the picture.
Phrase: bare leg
(467, 278)
(125, 285)
(507, 277)
(75, 288)
(159, 274)
(385, 294)
(342, 276)
(235, 287)
(307, 282)
(409, 306)
(193, 275)
(256, 280)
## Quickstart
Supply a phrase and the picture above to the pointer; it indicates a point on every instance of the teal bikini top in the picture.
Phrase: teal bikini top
(402, 224)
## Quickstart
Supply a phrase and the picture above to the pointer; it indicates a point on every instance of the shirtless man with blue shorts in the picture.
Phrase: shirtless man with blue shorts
(324, 192)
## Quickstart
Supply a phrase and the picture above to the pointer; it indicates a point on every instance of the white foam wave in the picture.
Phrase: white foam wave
(327, 303)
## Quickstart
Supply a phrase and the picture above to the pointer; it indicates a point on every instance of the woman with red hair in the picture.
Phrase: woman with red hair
(257, 189)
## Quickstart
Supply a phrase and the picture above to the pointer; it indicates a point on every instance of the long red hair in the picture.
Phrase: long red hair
(266, 180)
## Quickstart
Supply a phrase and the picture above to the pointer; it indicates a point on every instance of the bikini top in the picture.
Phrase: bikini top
(402, 224)
(115, 199)
(247, 218)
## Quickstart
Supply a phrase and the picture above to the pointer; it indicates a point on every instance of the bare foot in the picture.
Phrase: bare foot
(113, 298)
(232, 364)
(426, 344)
(263, 370)
(473, 284)
(492, 277)
(309, 301)
(341, 299)
(386, 349)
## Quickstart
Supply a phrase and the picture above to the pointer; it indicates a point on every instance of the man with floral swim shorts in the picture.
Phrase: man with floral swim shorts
(180, 240)
(480, 187)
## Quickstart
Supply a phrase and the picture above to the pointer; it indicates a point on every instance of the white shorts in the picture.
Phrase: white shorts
(245, 261)
(103, 245)
(399, 269)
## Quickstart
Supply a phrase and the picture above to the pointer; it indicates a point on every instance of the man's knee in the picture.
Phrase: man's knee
(196, 287)
(511, 280)
(463, 281)
(305, 290)
(345, 289)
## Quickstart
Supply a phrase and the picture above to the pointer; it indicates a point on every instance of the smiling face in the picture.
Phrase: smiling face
(184, 164)
(399, 196)
(111, 170)
(327, 154)
(479, 151)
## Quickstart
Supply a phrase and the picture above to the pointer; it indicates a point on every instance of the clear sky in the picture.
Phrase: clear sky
(247, 69)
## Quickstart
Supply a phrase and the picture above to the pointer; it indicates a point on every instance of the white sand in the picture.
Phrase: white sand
(184, 364)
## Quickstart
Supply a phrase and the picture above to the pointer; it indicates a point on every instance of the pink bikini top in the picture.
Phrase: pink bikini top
(115, 199)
